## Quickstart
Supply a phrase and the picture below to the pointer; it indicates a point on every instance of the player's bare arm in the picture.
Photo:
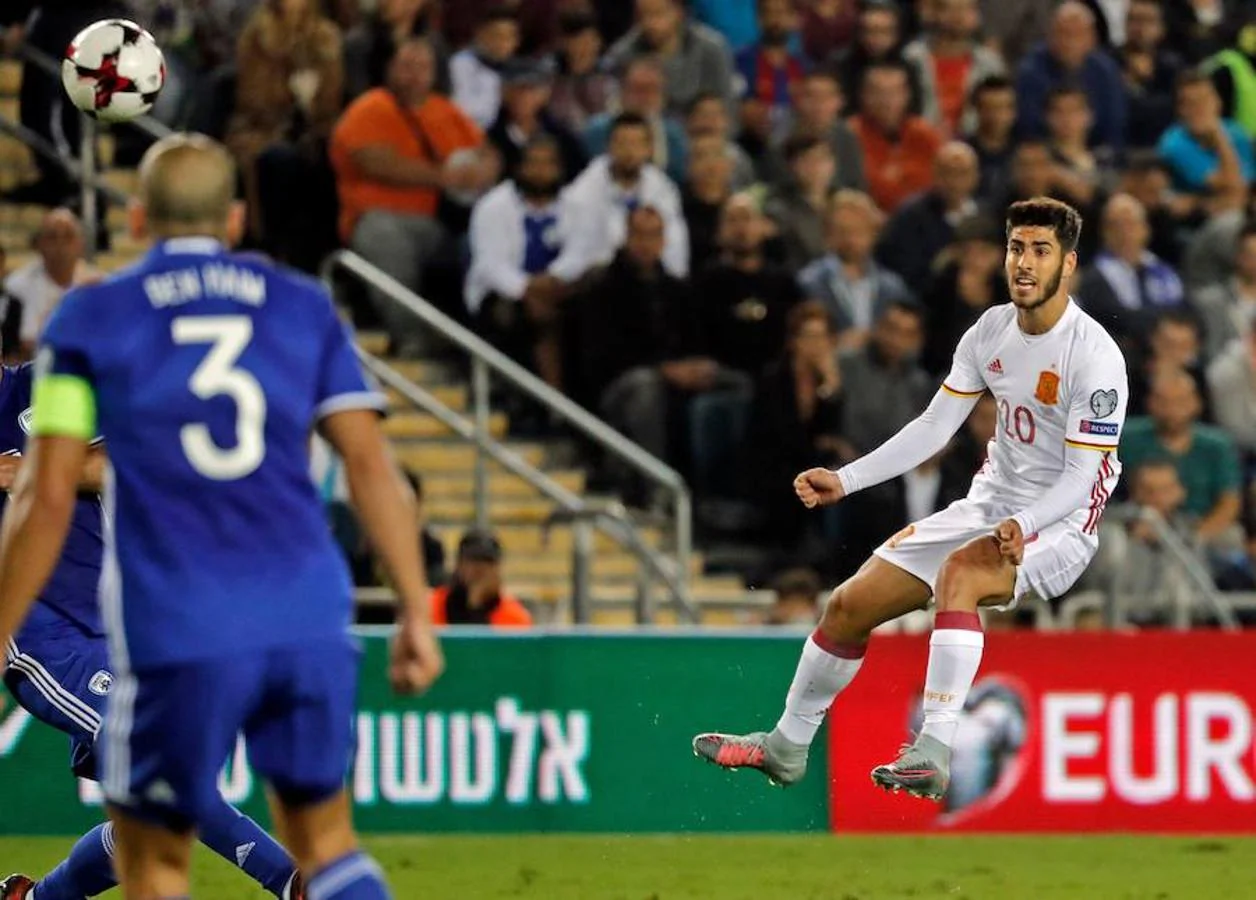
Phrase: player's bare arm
(36, 522)
(917, 441)
(386, 508)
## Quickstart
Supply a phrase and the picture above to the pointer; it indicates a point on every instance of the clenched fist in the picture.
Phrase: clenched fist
(818, 487)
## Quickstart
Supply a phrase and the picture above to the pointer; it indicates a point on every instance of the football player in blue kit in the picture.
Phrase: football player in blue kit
(225, 600)
(57, 668)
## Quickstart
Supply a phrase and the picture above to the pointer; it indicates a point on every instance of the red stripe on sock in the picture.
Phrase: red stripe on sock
(964, 621)
(840, 649)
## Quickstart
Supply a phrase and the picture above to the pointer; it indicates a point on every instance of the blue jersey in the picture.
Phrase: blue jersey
(71, 591)
(208, 371)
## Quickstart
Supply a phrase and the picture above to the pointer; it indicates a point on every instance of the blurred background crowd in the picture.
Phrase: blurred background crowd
(748, 233)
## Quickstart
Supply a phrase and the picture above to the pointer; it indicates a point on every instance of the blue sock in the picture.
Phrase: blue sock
(352, 877)
(238, 839)
(86, 872)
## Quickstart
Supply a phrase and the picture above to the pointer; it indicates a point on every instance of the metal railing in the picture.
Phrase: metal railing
(83, 170)
(611, 519)
(1198, 585)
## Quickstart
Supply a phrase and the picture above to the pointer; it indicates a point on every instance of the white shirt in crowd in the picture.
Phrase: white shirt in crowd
(34, 289)
(498, 244)
(476, 87)
(607, 205)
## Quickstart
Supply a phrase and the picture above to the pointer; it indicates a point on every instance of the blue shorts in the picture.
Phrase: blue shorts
(169, 729)
(61, 676)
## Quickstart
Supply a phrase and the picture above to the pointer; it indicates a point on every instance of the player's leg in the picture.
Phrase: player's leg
(242, 842)
(167, 733)
(972, 576)
(152, 861)
(301, 740)
(63, 684)
(831, 657)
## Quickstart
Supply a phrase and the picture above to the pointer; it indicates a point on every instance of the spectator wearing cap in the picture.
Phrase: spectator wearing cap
(948, 62)
(898, 147)
(474, 595)
(642, 93)
(581, 90)
(525, 245)
(524, 117)
(924, 225)
(1071, 55)
(695, 58)
(475, 71)
(622, 180)
(818, 102)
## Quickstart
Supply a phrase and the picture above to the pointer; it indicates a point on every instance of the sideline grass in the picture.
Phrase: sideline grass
(803, 867)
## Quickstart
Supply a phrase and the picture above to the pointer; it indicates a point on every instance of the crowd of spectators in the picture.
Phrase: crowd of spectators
(749, 232)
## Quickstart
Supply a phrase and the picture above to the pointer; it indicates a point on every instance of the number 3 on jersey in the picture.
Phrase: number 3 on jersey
(217, 375)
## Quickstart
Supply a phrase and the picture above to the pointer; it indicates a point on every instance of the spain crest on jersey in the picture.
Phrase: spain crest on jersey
(1048, 390)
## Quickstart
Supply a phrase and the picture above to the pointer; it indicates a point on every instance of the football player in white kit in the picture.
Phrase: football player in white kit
(1029, 524)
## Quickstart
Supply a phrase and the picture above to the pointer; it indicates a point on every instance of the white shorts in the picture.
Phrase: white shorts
(1054, 559)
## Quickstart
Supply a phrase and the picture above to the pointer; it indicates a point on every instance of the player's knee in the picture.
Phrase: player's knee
(845, 619)
(968, 575)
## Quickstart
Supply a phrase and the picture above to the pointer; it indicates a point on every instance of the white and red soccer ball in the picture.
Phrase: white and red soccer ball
(113, 70)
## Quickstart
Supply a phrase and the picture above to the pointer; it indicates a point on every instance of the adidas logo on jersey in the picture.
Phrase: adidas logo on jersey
(243, 852)
(995, 368)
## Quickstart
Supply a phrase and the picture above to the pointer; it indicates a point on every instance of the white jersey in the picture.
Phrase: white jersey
(1068, 386)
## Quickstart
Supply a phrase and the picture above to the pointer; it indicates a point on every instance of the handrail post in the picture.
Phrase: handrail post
(479, 397)
(642, 601)
(87, 164)
(581, 569)
(684, 547)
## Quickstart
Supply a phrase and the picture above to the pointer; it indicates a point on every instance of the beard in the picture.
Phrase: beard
(625, 172)
(1049, 289)
(535, 189)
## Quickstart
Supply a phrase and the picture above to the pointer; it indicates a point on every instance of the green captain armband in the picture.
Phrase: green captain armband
(63, 406)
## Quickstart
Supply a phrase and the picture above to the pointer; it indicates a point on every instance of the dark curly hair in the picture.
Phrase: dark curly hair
(1045, 212)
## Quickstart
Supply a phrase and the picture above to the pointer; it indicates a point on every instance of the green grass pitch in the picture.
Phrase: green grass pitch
(803, 867)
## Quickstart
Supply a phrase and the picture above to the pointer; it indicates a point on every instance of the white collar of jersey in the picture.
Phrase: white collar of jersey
(203, 246)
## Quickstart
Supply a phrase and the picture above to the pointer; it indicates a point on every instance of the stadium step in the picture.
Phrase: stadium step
(432, 457)
(500, 510)
(607, 568)
(459, 486)
(455, 396)
(422, 371)
(528, 539)
(409, 425)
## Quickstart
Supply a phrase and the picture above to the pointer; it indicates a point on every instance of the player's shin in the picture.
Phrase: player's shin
(86, 872)
(824, 670)
(954, 656)
(352, 877)
(242, 842)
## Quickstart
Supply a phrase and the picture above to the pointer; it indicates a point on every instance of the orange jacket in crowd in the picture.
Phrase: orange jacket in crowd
(896, 169)
(430, 132)
(509, 612)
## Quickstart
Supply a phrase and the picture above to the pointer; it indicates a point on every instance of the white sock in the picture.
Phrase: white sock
(954, 656)
(824, 669)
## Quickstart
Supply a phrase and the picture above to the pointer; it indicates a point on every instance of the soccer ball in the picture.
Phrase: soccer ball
(113, 70)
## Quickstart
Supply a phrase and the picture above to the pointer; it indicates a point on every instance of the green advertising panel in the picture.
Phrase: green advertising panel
(528, 732)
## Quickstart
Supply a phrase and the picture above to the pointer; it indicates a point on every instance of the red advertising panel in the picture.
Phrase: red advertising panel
(1063, 732)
